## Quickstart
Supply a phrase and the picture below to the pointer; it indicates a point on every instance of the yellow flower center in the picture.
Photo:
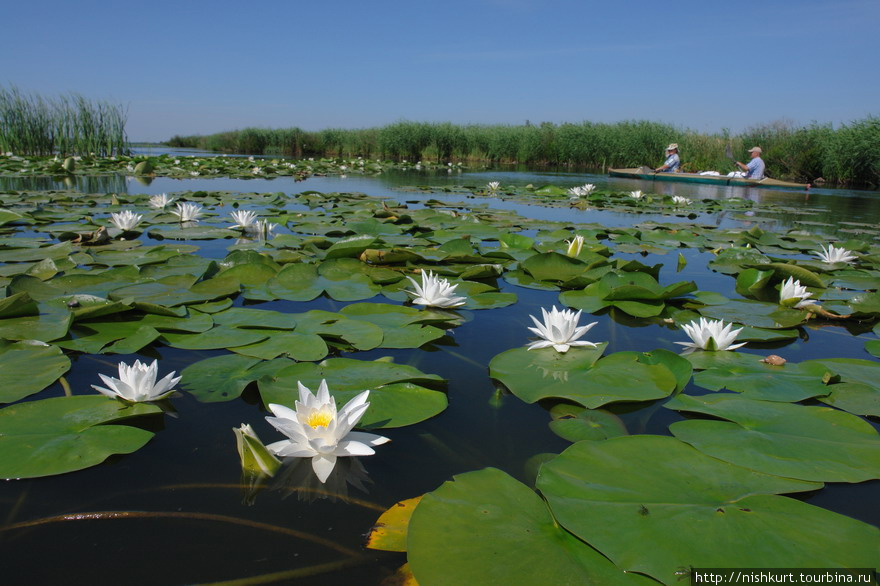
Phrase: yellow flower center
(320, 418)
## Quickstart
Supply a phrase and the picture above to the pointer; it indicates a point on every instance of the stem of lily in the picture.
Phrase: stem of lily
(65, 386)
(112, 515)
(290, 574)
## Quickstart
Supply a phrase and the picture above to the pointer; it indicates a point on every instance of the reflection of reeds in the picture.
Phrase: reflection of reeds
(848, 154)
(67, 125)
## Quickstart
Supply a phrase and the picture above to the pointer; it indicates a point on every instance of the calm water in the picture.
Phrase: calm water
(204, 530)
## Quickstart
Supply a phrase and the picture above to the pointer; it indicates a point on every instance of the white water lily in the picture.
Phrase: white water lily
(793, 294)
(316, 430)
(263, 229)
(575, 245)
(160, 201)
(126, 220)
(256, 170)
(434, 292)
(137, 383)
(243, 219)
(636, 194)
(680, 201)
(187, 212)
(710, 335)
(493, 186)
(582, 190)
(560, 330)
(832, 254)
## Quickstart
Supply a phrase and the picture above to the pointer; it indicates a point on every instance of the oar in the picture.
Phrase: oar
(729, 153)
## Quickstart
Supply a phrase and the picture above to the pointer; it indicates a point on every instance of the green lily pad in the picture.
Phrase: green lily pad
(694, 510)
(59, 435)
(484, 527)
(574, 423)
(29, 367)
(854, 398)
(300, 347)
(809, 443)
(755, 313)
(580, 376)
(223, 378)
(396, 395)
(304, 282)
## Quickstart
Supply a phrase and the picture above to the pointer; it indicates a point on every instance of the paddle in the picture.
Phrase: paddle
(729, 153)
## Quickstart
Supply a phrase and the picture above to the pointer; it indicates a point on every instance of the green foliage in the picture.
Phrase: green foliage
(847, 155)
(67, 125)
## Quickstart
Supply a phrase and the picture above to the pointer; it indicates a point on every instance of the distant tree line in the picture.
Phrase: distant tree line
(848, 155)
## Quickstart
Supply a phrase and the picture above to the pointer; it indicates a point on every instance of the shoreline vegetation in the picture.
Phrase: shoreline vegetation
(66, 125)
(848, 155)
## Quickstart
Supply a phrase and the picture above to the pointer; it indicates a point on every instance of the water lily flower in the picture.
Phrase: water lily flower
(560, 330)
(493, 186)
(160, 201)
(126, 220)
(256, 170)
(316, 430)
(137, 383)
(194, 173)
(636, 194)
(793, 294)
(255, 457)
(263, 229)
(243, 219)
(575, 245)
(710, 335)
(434, 292)
(832, 255)
(187, 212)
(680, 201)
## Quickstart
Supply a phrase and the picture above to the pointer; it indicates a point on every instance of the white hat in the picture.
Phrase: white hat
(672, 146)
(755, 150)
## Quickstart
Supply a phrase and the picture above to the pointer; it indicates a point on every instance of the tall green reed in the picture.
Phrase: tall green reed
(67, 125)
(849, 154)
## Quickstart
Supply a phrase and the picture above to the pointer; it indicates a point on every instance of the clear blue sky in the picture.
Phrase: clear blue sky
(197, 67)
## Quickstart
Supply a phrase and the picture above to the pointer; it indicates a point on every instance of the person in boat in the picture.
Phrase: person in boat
(755, 168)
(672, 162)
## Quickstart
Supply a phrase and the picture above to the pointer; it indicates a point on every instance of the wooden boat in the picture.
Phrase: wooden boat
(647, 174)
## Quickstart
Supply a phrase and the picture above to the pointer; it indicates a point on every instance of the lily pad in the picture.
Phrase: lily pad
(396, 395)
(484, 527)
(59, 435)
(694, 510)
(810, 443)
(580, 376)
(29, 367)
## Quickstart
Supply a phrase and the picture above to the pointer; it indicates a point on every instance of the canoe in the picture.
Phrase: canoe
(646, 175)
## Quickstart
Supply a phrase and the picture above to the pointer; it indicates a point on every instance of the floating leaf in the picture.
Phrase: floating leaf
(396, 397)
(694, 510)
(29, 367)
(580, 376)
(810, 443)
(389, 532)
(59, 435)
(484, 527)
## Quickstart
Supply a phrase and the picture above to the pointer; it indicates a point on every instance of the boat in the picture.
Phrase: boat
(647, 174)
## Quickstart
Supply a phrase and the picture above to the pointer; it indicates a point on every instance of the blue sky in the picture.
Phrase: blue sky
(196, 67)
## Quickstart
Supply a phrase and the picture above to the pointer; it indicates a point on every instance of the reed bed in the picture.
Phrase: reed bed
(66, 125)
(848, 155)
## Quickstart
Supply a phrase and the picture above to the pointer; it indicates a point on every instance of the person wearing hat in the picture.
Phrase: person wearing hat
(672, 162)
(755, 168)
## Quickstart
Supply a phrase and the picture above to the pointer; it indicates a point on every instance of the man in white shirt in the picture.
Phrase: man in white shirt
(755, 168)
(672, 162)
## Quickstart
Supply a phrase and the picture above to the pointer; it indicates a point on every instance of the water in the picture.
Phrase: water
(189, 520)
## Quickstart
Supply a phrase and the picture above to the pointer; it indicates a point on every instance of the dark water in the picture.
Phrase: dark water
(194, 524)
